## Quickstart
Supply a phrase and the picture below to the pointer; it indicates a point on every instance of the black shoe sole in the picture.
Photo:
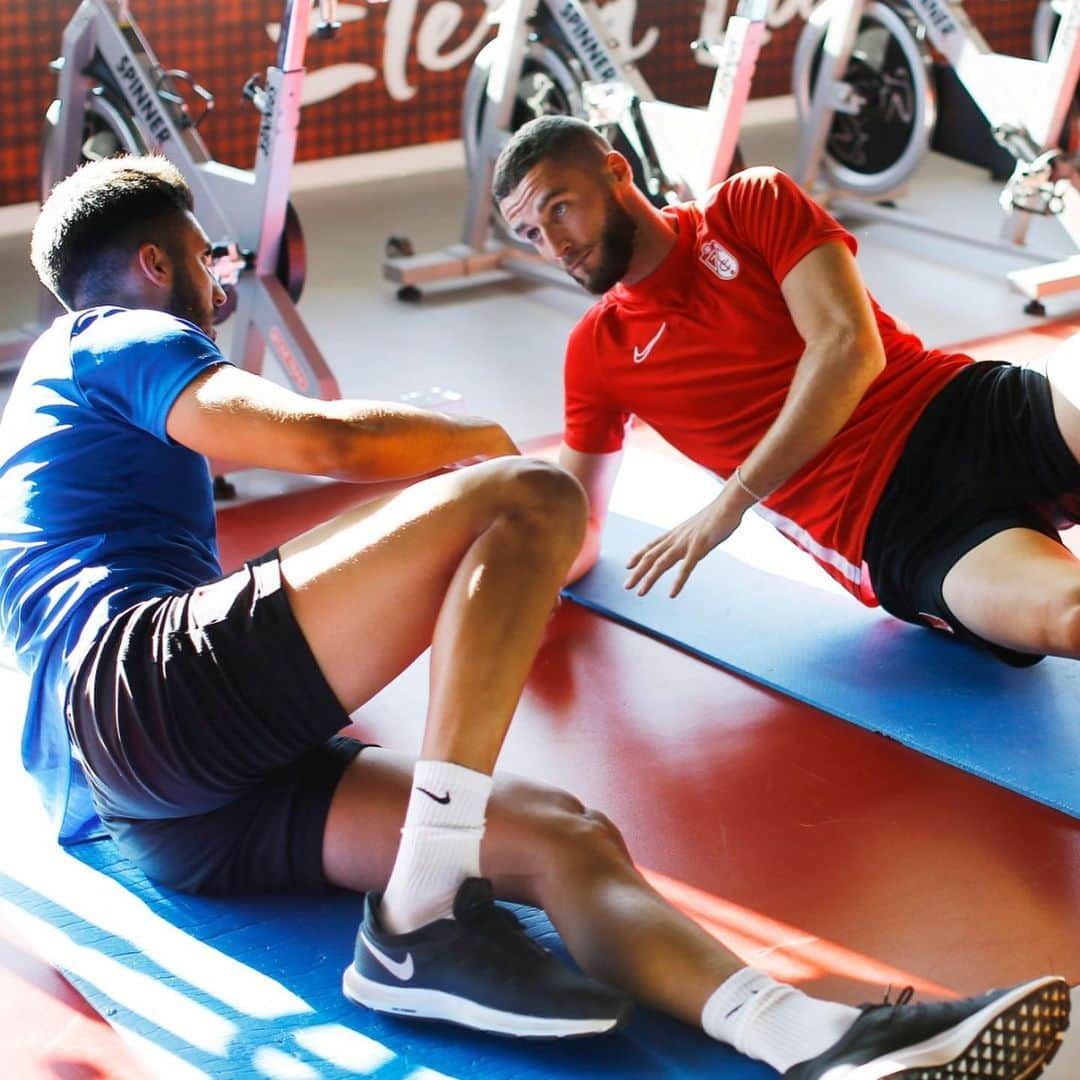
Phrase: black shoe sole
(1017, 1044)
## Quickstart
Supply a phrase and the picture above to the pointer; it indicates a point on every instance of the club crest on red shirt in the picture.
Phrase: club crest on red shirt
(719, 260)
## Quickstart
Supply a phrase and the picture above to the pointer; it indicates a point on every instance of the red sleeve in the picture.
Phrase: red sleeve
(594, 423)
(770, 213)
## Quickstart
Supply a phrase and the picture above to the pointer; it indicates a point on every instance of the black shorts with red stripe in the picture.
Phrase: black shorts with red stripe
(985, 456)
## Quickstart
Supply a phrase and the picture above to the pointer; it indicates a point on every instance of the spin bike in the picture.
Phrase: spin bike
(867, 104)
(114, 96)
(559, 57)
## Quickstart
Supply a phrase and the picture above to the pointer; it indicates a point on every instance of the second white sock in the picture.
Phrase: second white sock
(772, 1021)
(440, 844)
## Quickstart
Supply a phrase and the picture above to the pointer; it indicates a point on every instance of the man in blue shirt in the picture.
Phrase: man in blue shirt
(196, 715)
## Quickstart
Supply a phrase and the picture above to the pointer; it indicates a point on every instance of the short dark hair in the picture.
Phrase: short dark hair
(562, 139)
(97, 218)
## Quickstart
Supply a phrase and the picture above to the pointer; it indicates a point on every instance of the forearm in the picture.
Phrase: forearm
(830, 381)
(367, 441)
(589, 553)
(596, 473)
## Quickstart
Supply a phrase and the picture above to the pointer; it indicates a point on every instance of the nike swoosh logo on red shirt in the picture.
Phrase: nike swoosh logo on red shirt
(641, 355)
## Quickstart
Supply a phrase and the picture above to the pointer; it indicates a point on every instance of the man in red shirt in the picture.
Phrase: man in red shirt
(740, 329)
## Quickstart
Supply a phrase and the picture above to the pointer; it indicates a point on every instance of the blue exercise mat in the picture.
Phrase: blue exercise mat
(1016, 728)
(252, 987)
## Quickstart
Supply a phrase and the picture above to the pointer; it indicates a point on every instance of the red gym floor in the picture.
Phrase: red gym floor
(835, 857)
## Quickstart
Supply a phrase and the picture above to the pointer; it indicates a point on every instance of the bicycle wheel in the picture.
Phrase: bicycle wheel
(875, 150)
(550, 85)
(108, 129)
(1043, 28)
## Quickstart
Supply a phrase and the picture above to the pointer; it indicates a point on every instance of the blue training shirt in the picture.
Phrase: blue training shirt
(99, 509)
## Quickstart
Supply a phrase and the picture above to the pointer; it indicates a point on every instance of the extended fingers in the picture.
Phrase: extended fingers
(652, 545)
(660, 566)
(655, 561)
(642, 559)
(693, 557)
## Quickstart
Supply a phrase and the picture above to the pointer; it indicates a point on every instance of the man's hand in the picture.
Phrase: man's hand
(687, 543)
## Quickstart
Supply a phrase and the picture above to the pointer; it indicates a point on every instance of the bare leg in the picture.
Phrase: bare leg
(474, 561)
(470, 563)
(1019, 589)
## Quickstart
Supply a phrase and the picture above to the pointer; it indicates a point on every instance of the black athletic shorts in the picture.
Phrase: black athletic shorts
(208, 736)
(985, 456)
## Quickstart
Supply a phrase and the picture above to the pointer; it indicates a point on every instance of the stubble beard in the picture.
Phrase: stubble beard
(616, 249)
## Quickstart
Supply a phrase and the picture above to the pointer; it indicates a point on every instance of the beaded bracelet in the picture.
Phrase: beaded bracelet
(746, 487)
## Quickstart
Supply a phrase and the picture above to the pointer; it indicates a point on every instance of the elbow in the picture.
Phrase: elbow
(860, 351)
(870, 351)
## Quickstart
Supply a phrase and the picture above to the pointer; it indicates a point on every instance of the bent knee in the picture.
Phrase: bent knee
(542, 494)
(556, 821)
(574, 838)
(1067, 620)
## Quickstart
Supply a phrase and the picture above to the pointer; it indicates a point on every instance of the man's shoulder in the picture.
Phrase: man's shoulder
(754, 181)
(585, 327)
(112, 345)
(119, 327)
(586, 334)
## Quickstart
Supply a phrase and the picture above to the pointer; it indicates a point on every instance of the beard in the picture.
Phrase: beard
(616, 247)
(186, 302)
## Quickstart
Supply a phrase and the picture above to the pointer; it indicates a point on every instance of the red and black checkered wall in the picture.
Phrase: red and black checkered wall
(399, 100)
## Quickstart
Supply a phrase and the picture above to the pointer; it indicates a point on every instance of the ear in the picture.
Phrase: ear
(153, 265)
(618, 169)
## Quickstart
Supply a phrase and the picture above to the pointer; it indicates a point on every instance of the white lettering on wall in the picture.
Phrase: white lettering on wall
(440, 23)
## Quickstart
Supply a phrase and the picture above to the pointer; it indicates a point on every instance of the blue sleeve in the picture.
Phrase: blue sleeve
(133, 365)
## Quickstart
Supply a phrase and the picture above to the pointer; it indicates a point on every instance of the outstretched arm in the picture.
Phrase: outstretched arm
(596, 474)
(829, 305)
(233, 415)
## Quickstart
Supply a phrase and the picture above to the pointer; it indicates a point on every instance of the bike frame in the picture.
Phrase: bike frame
(242, 210)
(1026, 101)
(691, 149)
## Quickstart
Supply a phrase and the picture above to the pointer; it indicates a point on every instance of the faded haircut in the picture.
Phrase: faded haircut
(95, 220)
(565, 140)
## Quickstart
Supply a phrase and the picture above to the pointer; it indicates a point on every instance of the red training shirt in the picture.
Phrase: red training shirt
(704, 351)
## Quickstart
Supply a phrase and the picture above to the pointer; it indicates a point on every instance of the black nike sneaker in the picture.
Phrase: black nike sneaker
(479, 969)
(1003, 1035)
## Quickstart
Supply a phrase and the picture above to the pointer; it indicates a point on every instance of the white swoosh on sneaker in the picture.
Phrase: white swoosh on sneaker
(641, 355)
(400, 969)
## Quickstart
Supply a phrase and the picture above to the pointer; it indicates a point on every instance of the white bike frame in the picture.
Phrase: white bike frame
(1027, 101)
(695, 147)
(242, 210)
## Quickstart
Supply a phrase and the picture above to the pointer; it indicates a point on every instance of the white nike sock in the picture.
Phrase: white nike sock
(772, 1021)
(440, 844)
